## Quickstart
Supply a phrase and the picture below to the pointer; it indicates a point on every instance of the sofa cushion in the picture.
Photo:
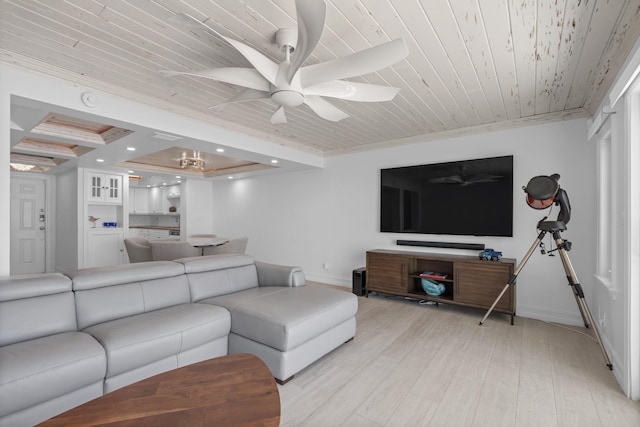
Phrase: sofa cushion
(284, 318)
(135, 341)
(35, 306)
(32, 372)
(109, 293)
(215, 275)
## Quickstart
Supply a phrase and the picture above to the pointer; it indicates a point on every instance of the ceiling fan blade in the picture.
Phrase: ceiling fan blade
(324, 108)
(264, 65)
(359, 63)
(246, 77)
(311, 19)
(353, 91)
(243, 95)
(279, 117)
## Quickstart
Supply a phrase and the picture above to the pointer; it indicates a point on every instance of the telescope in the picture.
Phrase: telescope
(543, 192)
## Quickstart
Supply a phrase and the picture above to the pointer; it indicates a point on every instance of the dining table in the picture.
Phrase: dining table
(203, 242)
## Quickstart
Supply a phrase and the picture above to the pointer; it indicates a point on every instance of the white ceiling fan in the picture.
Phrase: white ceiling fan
(289, 84)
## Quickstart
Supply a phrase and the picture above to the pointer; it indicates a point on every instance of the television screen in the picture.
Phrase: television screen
(468, 197)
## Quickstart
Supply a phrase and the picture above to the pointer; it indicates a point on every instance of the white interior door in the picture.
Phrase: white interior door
(28, 225)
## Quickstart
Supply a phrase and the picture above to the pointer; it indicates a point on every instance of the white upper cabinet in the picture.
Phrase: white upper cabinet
(139, 200)
(104, 188)
(156, 197)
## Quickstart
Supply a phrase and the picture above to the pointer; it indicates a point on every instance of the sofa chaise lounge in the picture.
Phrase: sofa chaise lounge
(68, 338)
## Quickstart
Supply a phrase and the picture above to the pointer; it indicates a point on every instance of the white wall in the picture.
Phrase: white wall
(330, 216)
(196, 208)
(67, 234)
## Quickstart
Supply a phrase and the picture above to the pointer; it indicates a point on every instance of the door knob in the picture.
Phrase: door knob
(41, 227)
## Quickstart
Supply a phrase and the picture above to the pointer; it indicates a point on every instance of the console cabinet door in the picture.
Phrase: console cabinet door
(105, 246)
(479, 284)
(387, 273)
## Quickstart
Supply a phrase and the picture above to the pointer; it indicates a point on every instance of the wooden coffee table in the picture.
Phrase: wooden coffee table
(226, 391)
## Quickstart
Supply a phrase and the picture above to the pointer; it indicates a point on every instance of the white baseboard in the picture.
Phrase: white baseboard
(331, 280)
(565, 318)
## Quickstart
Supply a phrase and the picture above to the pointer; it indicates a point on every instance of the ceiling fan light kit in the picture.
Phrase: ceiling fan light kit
(289, 84)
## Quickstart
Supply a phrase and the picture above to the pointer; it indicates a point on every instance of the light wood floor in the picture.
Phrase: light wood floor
(413, 365)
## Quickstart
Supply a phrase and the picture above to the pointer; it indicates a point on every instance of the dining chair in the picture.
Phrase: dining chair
(138, 249)
(168, 250)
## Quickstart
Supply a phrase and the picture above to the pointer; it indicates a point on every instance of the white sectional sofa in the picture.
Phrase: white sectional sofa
(66, 339)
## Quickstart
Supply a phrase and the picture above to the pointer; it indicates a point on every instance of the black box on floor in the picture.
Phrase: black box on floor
(360, 281)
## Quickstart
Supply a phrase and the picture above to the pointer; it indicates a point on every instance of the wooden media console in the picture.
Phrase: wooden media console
(469, 281)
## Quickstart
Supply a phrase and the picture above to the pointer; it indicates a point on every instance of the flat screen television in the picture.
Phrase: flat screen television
(467, 197)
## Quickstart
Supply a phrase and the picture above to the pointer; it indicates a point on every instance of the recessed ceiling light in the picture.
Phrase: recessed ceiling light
(131, 148)
(99, 160)
(164, 183)
(220, 150)
(274, 161)
(130, 172)
(229, 177)
(178, 176)
(148, 185)
(179, 182)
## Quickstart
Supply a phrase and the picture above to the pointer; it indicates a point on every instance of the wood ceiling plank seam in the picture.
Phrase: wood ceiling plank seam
(550, 17)
(336, 41)
(575, 28)
(446, 30)
(230, 25)
(434, 66)
(471, 26)
(523, 18)
(404, 112)
(395, 79)
(170, 52)
(626, 34)
(32, 25)
(309, 124)
(23, 46)
(302, 121)
(202, 13)
(602, 21)
(500, 42)
(107, 65)
(45, 40)
(110, 35)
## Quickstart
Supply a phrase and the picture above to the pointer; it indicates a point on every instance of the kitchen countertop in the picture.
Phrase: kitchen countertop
(156, 227)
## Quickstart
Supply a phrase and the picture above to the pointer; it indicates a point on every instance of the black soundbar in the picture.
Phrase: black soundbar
(475, 246)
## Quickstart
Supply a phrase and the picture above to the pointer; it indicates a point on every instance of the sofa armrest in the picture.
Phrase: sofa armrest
(279, 275)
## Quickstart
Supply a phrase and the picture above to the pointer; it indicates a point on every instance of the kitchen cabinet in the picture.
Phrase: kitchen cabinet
(158, 202)
(138, 200)
(105, 246)
(104, 188)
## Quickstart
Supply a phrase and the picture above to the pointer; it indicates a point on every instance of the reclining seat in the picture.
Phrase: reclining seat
(143, 316)
(273, 314)
(46, 365)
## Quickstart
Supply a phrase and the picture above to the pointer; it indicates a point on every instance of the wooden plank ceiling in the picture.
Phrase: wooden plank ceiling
(472, 64)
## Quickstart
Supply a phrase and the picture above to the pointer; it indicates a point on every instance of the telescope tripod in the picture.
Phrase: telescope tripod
(562, 246)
